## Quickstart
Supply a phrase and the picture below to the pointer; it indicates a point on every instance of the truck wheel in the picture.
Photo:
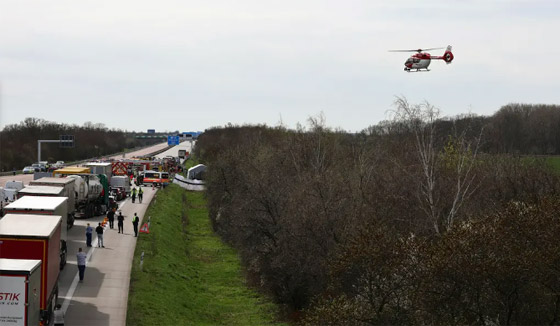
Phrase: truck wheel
(49, 313)
(62, 261)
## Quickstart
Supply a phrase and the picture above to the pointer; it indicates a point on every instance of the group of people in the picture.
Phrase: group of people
(111, 217)
(120, 220)
(99, 230)
(81, 256)
(140, 193)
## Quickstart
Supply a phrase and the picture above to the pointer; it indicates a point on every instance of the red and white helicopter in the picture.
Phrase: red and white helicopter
(422, 60)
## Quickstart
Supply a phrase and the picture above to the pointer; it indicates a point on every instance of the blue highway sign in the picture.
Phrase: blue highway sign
(172, 140)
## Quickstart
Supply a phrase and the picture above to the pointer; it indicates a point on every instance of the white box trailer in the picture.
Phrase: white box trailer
(182, 153)
(47, 191)
(121, 181)
(101, 168)
(17, 185)
(10, 194)
(67, 184)
(20, 291)
(42, 206)
(33, 190)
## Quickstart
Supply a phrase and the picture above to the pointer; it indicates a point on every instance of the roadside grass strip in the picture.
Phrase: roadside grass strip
(554, 162)
(189, 276)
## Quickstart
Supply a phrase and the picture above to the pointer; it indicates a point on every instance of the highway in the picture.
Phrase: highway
(141, 152)
(103, 296)
(101, 300)
(26, 178)
(173, 151)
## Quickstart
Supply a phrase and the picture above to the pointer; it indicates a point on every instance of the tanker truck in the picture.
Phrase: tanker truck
(92, 194)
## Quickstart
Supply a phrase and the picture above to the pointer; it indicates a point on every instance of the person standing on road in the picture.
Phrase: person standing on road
(133, 194)
(111, 217)
(81, 257)
(58, 315)
(120, 222)
(140, 194)
(89, 231)
(135, 221)
(99, 231)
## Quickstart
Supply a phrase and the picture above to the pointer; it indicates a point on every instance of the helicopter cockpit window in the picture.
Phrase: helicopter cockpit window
(409, 60)
(416, 60)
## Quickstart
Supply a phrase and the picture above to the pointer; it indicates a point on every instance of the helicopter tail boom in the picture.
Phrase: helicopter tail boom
(447, 55)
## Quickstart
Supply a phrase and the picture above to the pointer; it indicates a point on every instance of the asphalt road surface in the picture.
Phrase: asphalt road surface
(102, 298)
(174, 151)
(26, 178)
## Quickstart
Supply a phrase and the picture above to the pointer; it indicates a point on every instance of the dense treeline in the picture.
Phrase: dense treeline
(18, 142)
(525, 129)
(417, 220)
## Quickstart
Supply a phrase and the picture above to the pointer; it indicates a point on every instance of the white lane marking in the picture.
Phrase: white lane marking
(74, 284)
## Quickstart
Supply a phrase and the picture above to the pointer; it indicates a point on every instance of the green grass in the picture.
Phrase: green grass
(189, 276)
(554, 162)
(192, 161)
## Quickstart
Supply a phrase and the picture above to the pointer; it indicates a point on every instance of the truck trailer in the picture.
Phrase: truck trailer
(101, 168)
(92, 194)
(68, 186)
(17, 185)
(60, 173)
(48, 191)
(44, 206)
(20, 291)
(121, 181)
(35, 237)
(41, 191)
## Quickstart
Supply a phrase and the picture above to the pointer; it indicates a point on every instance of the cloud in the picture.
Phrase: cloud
(250, 61)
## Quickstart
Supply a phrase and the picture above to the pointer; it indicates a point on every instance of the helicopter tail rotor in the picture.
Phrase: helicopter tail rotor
(448, 55)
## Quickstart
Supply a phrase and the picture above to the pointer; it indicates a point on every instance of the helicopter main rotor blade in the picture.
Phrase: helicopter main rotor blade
(432, 49)
(416, 50)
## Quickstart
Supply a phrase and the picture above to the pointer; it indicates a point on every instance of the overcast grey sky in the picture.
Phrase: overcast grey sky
(188, 65)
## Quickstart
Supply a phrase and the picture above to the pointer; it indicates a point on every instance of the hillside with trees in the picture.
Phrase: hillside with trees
(416, 220)
(18, 142)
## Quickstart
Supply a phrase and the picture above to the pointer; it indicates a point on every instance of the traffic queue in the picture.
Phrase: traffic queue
(34, 229)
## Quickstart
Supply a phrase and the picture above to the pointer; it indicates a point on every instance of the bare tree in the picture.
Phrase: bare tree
(457, 160)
